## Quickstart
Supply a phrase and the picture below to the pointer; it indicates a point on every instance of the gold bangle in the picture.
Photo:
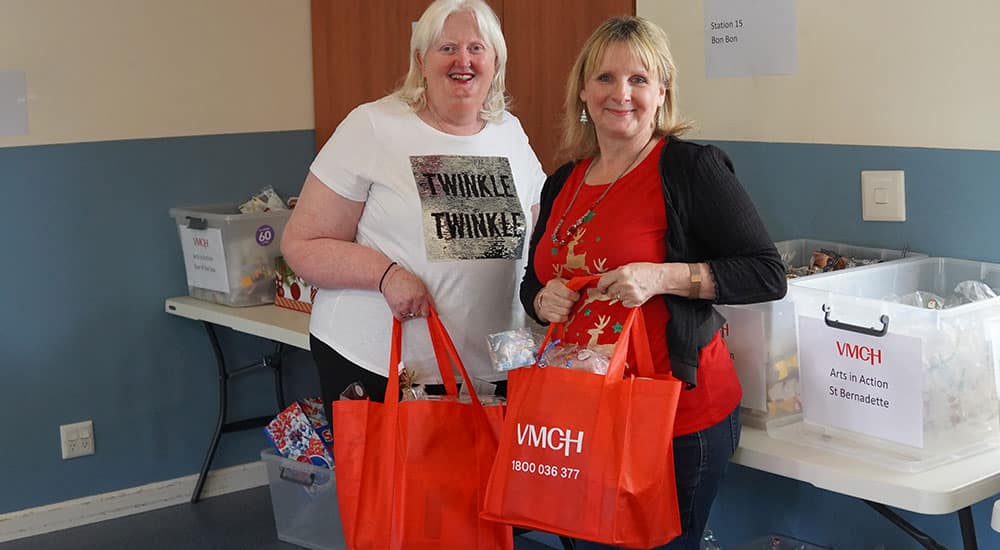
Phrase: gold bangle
(695, 279)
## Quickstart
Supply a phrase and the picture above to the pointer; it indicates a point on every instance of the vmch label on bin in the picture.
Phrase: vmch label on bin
(866, 384)
(204, 258)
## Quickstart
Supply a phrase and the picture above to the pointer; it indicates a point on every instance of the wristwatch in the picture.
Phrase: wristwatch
(695, 289)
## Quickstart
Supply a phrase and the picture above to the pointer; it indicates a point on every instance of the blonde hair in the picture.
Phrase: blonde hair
(428, 29)
(649, 44)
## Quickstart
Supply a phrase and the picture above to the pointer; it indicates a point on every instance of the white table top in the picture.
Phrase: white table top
(939, 490)
(269, 321)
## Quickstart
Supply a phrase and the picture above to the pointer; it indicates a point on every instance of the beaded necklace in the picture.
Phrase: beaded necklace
(589, 214)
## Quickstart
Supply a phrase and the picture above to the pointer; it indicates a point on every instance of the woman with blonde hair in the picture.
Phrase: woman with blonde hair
(668, 228)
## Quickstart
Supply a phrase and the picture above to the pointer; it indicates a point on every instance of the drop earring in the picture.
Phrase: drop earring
(583, 116)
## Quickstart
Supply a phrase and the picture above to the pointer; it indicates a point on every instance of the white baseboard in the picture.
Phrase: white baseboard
(92, 509)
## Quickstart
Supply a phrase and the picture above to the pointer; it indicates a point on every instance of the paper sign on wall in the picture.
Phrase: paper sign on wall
(750, 37)
(13, 103)
(204, 258)
(744, 336)
(866, 384)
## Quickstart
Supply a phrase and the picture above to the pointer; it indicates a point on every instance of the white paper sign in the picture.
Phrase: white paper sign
(204, 258)
(13, 103)
(866, 384)
(744, 336)
(750, 37)
(993, 331)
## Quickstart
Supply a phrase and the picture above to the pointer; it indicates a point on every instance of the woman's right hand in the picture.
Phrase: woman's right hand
(555, 301)
(406, 294)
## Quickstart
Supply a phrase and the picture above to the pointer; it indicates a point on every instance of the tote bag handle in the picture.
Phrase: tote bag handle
(444, 351)
(634, 330)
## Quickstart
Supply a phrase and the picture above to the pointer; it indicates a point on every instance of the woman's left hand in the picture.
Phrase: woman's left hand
(633, 284)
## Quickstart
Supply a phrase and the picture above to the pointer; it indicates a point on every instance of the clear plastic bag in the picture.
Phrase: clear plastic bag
(574, 356)
(512, 349)
(920, 298)
(972, 291)
(265, 200)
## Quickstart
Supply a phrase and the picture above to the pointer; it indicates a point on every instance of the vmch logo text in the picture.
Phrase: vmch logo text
(549, 438)
(866, 354)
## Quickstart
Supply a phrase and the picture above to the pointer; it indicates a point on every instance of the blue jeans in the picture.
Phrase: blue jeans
(700, 460)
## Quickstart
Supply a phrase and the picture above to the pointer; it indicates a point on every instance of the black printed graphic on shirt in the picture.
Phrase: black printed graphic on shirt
(470, 207)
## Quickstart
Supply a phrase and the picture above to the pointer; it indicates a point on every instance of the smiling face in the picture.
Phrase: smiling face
(621, 96)
(459, 66)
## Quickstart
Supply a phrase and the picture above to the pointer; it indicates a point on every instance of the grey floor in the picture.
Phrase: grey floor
(237, 521)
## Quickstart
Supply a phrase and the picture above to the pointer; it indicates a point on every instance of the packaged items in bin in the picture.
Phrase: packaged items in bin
(512, 349)
(898, 362)
(763, 340)
(290, 290)
(228, 256)
(824, 260)
(783, 388)
(265, 200)
(965, 292)
(296, 434)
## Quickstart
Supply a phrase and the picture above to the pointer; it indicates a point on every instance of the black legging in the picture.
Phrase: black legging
(336, 372)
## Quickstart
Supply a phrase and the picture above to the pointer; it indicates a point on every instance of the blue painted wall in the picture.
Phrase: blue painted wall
(91, 255)
(805, 191)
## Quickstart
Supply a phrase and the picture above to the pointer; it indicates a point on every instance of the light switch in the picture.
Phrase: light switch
(883, 196)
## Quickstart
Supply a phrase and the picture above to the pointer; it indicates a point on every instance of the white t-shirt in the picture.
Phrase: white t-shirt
(454, 210)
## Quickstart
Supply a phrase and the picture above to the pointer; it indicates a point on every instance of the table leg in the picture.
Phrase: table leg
(925, 540)
(274, 362)
(220, 362)
(968, 528)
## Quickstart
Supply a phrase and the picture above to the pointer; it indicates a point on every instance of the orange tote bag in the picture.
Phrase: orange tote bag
(590, 456)
(413, 475)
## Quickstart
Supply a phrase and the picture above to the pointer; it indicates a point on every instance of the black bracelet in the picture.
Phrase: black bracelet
(384, 273)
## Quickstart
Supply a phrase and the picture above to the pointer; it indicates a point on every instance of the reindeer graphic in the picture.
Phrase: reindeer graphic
(595, 334)
(598, 330)
(574, 260)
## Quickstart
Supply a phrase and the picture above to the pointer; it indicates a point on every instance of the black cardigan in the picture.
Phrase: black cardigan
(711, 219)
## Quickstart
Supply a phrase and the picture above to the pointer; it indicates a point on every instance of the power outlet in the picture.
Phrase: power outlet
(77, 439)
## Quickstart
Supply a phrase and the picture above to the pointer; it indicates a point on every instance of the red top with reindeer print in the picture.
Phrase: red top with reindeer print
(629, 225)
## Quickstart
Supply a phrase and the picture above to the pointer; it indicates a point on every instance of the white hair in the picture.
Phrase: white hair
(428, 30)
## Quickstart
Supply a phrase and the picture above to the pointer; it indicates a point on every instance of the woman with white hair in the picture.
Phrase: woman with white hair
(420, 198)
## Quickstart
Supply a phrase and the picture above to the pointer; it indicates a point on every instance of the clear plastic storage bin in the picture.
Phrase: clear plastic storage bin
(762, 338)
(228, 256)
(304, 499)
(905, 386)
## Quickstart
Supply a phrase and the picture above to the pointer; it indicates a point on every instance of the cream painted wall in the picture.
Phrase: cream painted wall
(912, 73)
(122, 69)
